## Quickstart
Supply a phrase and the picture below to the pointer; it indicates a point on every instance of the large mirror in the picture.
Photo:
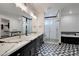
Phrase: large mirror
(26, 25)
(14, 21)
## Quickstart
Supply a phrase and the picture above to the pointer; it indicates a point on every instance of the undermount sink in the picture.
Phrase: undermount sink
(15, 39)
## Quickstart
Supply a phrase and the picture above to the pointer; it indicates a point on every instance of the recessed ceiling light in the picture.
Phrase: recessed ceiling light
(70, 12)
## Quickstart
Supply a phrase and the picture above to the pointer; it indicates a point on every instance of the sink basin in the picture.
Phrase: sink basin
(16, 39)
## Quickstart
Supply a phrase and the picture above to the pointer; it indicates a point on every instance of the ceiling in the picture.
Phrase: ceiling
(11, 10)
(50, 9)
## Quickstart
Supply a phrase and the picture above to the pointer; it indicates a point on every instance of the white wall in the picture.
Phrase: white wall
(38, 24)
(34, 25)
(41, 21)
(70, 23)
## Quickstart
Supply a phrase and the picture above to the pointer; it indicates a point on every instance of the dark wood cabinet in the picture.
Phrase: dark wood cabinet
(29, 49)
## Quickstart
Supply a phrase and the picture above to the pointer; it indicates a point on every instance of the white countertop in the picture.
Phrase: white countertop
(15, 43)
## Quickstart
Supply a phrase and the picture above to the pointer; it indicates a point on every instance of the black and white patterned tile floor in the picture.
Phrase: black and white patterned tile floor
(48, 49)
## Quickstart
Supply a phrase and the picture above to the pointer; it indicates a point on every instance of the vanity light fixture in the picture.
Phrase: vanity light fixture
(22, 6)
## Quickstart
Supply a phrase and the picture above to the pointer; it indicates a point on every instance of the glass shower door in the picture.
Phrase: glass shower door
(50, 30)
(47, 30)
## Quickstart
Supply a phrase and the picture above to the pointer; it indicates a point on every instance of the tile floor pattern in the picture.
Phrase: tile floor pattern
(48, 49)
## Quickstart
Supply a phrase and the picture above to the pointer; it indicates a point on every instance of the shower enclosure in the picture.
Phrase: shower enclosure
(51, 33)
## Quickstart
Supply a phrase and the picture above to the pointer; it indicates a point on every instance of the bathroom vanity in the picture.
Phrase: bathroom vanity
(24, 46)
(30, 48)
